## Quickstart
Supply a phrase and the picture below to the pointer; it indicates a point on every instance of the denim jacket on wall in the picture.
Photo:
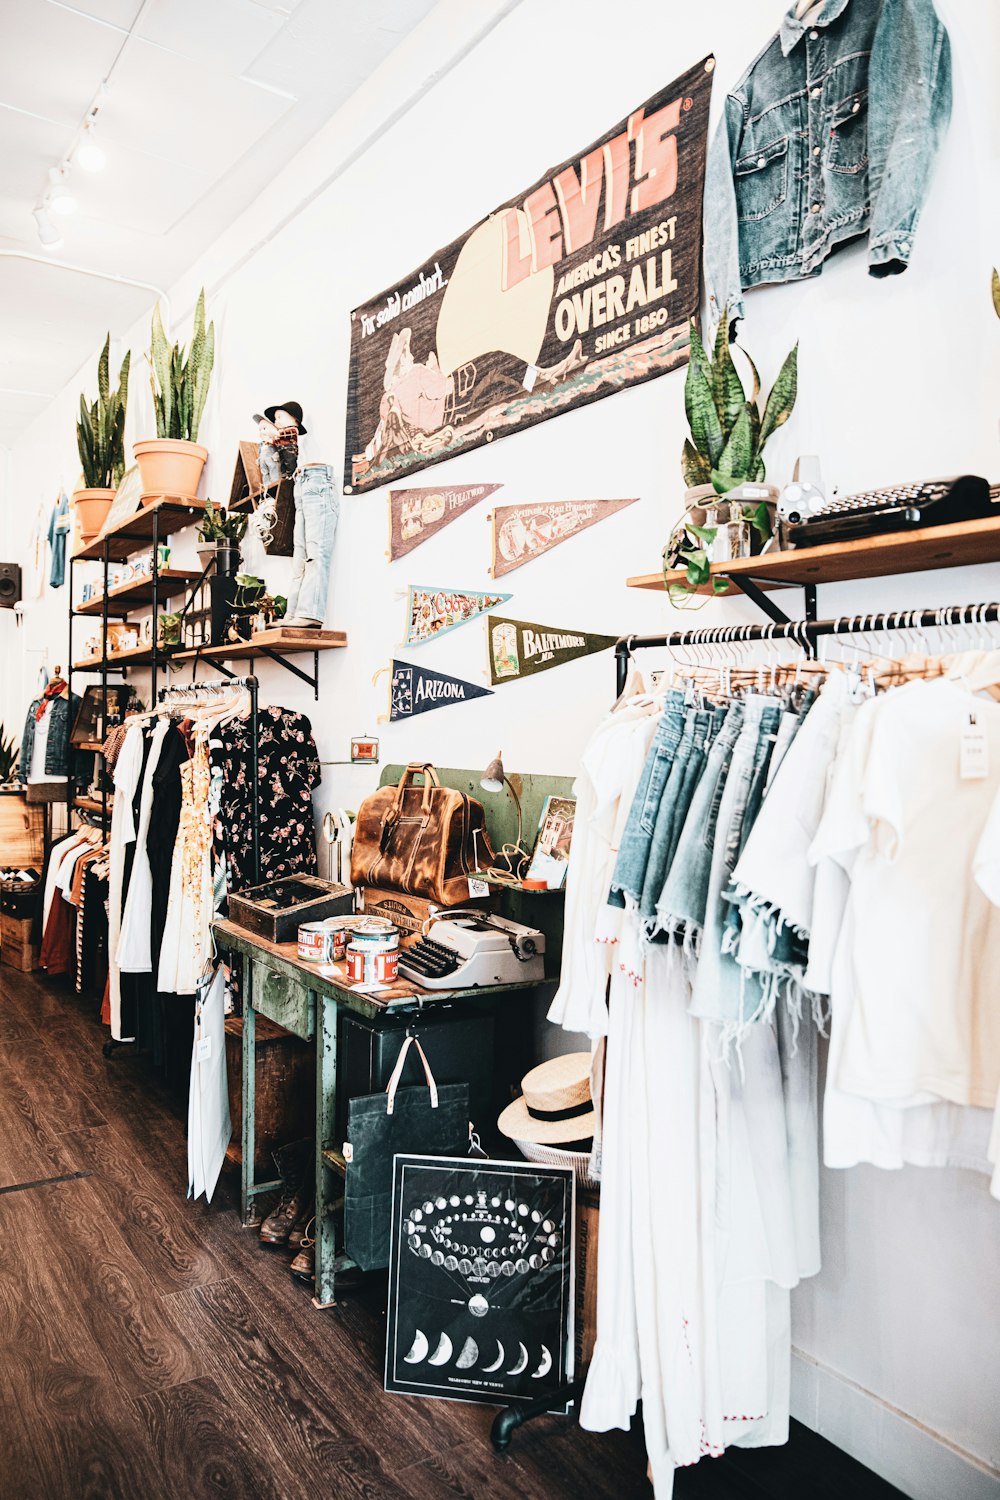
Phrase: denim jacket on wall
(60, 758)
(831, 132)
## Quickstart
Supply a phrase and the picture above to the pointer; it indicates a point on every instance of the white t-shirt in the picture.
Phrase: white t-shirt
(923, 1013)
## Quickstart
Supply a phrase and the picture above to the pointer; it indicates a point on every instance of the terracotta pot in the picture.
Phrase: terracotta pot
(169, 466)
(92, 508)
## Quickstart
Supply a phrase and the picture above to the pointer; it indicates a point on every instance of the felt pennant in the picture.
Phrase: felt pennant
(414, 515)
(432, 611)
(416, 690)
(521, 532)
(519, 648)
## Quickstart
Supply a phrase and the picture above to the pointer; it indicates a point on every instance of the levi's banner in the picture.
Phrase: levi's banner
(430, 611)
(414, 515)
(521, 532)
(416, 690)
(577, 288)
(518, 647)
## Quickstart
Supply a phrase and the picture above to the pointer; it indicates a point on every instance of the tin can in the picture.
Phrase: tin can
(315, 943)
(369, 965)
(374, 934)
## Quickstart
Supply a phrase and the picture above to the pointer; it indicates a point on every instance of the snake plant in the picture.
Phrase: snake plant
(996, 292)
(179, 377)
(100, 432)
(8, 752)
(728, 428)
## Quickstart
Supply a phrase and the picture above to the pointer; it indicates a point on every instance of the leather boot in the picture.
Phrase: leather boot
(300, 1226)
(303, 1267)
(295, 1166)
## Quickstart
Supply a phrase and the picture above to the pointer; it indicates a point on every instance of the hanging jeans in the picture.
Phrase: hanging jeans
(633, 853)
(317, 511)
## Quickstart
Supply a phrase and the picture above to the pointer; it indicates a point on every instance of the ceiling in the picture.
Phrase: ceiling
(207, 99)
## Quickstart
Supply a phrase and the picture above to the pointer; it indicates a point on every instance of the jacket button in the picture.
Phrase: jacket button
(814, 36)
(817, 150)
(855, 107)
(762, 161)
(815, 208)
(815, 93)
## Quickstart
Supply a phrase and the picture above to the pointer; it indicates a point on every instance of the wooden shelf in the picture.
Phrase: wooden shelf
(90, 747)
(92, 804)
(955, 546)
(140, 656)
(134, 595)
(334, 1159)
(283, 640)
(137, 532)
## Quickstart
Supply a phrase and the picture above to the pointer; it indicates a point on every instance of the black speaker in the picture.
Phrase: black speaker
(10, 585)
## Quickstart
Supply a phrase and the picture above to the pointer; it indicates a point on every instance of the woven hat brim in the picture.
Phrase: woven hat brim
(519, 1125)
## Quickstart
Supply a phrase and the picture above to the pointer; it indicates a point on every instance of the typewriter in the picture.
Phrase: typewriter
(474, 948)
(897, 507)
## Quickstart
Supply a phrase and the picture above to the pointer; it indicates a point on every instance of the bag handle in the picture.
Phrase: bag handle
(397, 1074)
(394, 811)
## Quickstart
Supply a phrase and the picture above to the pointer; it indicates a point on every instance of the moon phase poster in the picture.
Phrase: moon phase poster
(579, 287)
(480, 1281)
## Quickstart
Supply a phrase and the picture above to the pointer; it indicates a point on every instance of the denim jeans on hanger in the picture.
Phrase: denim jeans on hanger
(723, 992)
(317, 511)
(681, 905)
(687, 766)
(633, 852)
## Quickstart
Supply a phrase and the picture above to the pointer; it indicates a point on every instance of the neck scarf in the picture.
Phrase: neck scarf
(54, 690)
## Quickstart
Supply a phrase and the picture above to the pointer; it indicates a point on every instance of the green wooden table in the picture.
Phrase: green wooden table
(306, 1002)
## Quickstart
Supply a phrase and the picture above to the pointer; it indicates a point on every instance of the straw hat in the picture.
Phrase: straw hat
(556, 1104)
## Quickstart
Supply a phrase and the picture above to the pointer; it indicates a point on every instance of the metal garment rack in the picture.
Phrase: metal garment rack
(806, 633)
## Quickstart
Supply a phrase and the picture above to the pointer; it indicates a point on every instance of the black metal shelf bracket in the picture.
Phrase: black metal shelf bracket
(749, 584)
(289, 666)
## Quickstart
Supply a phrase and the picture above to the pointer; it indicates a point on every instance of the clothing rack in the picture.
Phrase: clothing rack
(806, 633)
(224, 684)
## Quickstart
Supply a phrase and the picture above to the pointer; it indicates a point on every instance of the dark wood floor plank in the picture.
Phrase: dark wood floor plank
(311, 1427)
(161, 1230)
(204, 1443)
(56, 1101)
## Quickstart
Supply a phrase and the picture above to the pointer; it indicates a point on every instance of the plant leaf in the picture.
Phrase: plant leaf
(102, 371)
(703, 419)
(724, 482)
(727, 387)
(754, 372)
(782, 398)
(707, 534)
(695, 467)
(760, 520)
(996, 292)
(736, 460)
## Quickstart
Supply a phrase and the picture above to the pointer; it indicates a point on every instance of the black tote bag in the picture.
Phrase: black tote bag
(424, 1121)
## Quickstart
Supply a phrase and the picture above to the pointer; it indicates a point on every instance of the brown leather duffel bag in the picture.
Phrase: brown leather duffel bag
(426, 840)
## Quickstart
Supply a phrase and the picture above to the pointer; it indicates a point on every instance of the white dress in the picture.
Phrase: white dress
(126, 778)
(134, 955)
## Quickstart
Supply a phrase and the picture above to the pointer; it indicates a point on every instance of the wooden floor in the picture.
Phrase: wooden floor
(149, 1348)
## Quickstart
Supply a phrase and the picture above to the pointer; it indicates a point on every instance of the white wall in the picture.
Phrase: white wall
(898, 1355)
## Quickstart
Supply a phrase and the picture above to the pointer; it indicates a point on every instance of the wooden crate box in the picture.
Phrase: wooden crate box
(286, 1090)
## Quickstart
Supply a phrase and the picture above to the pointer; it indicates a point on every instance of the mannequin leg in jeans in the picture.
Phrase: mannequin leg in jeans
(317, 510)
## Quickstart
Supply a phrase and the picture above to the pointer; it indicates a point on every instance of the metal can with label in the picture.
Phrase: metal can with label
(367, 964)
(315, 943)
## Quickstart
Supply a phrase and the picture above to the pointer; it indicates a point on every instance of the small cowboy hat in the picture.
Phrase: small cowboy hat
(555, 1106)
(293, 409)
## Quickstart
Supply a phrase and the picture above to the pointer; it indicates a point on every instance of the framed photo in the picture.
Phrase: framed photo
(128, 499)
(481, 1281)
(550, 856)
(91, 720)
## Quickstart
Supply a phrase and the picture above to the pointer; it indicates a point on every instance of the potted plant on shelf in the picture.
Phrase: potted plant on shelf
(172, 462)
(100, 440)
(253, 607)
(220, 532)
(722, 461)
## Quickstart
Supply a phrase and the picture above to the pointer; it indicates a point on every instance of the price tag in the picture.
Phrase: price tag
(974, 760)
(204, 1049)
(477, 888)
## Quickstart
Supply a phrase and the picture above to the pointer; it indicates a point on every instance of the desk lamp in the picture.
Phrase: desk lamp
(513, 859)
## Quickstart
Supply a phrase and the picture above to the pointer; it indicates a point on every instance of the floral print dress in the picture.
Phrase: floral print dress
(288, 773)
(187, 937)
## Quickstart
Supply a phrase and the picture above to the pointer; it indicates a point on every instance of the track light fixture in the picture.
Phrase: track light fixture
(59, 198)
(49, 236)
(89, 154)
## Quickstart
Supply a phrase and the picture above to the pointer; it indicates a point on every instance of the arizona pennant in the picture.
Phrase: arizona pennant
(519, 647)
(416, 690)
(431, 611)
(414, 515)
(521, 532)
